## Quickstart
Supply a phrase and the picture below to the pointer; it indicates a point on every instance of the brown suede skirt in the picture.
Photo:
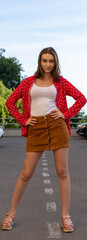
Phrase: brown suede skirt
(47, 134)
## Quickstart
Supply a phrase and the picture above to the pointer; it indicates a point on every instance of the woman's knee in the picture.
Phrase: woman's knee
(25, 176)
(62, 173)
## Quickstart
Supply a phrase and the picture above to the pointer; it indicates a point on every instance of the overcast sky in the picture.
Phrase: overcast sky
(28, 26)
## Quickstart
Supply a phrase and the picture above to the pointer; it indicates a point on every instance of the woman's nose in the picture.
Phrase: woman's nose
(48, 63)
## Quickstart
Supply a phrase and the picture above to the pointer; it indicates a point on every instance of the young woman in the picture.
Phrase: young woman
(46, 124)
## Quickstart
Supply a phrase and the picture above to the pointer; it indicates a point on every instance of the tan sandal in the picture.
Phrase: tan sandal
(67, 224)
(8, 221)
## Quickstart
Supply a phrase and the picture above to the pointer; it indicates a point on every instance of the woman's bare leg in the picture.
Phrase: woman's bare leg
(61, 164)
(31, 160)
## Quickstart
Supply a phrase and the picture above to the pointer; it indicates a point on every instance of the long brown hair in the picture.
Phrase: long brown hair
(56, 71)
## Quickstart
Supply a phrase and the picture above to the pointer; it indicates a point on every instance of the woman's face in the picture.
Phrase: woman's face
(47, 62)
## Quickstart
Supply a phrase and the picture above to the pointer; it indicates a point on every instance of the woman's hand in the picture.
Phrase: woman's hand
(57, 114)
(31, 121)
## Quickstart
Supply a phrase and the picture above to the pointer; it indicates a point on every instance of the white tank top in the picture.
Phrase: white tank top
(43, 100)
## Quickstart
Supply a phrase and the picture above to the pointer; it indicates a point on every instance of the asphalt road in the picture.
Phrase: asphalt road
(39, 213)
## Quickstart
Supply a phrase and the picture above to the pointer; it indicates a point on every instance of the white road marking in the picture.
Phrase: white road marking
(54, 230)
(44, 164)
(45, 174)
(45, 169)
(43, 155)
(44, 160)
(48, 190)
(51, 207)
(47, 181)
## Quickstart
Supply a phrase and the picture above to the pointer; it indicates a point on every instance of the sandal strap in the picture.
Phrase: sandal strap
(10, 220)
(11, 215)
(67, 221)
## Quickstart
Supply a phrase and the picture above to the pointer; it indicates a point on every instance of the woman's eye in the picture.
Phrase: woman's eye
(51, 61)
(44, 60)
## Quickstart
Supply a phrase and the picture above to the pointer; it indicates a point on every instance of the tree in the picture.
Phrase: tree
(10, 71)
(79, 118)
(4, 113)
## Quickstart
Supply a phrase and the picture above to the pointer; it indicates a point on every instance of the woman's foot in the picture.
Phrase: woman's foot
(67, 224)
(8, 221)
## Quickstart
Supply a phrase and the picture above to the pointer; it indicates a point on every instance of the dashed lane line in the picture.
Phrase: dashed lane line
(44, 160)
(47, 181)
(45, 174)
(45, 169)
(48, 191)
(51, 207)
(44, 164)
(44, 155)
(54, 230)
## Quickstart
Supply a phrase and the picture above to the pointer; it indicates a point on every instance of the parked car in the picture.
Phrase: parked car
(82, 129)
(1, 132)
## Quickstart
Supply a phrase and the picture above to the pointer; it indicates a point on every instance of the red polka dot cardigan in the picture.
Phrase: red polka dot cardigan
(63, 88)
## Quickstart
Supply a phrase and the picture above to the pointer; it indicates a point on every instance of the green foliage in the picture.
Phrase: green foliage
(10, 71)
(4, 113)
(79, 118)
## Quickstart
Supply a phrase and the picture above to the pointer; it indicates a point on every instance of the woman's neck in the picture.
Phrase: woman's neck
(47, 77)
